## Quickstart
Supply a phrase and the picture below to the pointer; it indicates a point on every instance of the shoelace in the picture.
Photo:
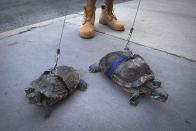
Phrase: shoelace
(87, 17)
(113, 14)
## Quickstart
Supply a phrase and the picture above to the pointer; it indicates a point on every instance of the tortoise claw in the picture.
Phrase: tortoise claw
(157, 83)
(134, 100)
(82, 86)
(94, 68)
(29, 90)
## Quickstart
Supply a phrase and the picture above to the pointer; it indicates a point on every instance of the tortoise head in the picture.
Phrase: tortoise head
(155, 91)
(34, 97)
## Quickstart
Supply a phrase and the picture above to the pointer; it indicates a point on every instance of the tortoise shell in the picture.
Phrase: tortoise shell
(58, 84)
(132, 73)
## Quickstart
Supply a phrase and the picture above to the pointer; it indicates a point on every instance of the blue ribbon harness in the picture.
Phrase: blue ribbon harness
(110, 70)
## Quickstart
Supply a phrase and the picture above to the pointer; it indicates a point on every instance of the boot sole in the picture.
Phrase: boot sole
(87, 36)
(105, 23)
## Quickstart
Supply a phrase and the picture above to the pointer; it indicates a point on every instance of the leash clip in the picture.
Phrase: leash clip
(127, 49)
(57, 59)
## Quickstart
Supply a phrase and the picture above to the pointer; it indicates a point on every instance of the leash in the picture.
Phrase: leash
(109, 71)
(58, 51)
(131, 31)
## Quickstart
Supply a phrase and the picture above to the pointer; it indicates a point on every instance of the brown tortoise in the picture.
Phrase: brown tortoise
(53, 86)
(131, 73)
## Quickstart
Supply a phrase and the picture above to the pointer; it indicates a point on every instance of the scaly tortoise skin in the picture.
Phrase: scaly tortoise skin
(133, 75)
(53, 86)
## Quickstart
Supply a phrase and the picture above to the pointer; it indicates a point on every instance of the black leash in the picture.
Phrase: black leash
(131, 30)
(58, 52)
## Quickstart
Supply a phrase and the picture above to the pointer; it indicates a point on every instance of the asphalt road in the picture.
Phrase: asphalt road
(19, 13)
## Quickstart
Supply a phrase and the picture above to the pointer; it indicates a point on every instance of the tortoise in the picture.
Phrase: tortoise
(53, 86)
(130, 72)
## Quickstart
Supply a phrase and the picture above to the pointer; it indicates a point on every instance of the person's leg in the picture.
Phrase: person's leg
(108, 18)
(109, 3)
(90, 2)
(87, 27)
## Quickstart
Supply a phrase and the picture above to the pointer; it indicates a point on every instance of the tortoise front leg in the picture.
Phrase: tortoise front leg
(134, 99)
(82, 86)
(94, 68)
(47, 109)
(29, 90)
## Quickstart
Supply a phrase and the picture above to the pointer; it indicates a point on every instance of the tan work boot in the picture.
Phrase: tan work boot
(108, 18)
(87, 27)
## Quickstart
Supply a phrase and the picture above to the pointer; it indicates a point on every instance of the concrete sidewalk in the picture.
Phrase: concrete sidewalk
(168, 26)
(103, 106)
